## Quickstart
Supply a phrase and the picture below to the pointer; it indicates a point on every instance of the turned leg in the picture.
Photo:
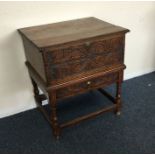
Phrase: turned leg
(53, 116)
(118, 93)
(36, 92)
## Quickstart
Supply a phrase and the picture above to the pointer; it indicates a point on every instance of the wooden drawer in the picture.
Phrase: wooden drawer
(87, 85)
(86, 49)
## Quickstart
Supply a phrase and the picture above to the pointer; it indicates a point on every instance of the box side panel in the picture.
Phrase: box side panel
(34, 57)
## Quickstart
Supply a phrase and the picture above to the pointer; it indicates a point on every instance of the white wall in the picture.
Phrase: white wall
(15, 86)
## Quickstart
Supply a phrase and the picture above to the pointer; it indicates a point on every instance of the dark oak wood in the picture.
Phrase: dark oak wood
(87, 85)
(53, 116)
(34, 57)
(60, 33)
(81, 59)
(72, 57)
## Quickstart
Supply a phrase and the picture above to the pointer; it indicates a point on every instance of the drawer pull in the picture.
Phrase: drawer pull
(87, 44)
(88, 82)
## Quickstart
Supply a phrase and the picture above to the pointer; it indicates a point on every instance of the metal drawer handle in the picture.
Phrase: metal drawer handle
(88, 82)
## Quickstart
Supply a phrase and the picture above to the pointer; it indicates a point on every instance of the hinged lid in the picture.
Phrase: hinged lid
(68, 31)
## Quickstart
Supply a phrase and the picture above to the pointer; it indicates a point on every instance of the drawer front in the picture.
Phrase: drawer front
(87, 85)
(83, 58)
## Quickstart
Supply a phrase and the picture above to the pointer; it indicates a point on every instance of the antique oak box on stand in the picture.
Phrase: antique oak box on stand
(72, 57)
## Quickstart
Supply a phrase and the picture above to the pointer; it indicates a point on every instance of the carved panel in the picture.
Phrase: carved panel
(110, 45)
(84, 50)
(83, 58)
(73, 67)
(63, 55)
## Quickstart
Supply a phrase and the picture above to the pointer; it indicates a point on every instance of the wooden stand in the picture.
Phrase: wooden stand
(53, 119)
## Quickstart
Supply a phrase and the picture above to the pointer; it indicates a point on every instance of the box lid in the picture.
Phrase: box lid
(68, 31)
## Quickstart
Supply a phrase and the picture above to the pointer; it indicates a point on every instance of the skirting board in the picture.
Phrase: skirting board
(33, 105)
(137, 74)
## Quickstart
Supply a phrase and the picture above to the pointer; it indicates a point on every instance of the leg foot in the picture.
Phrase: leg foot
(118, 113)
(36, 92)
(57, 137)
(118, 94)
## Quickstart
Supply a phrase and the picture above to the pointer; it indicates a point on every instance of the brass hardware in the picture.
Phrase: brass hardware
(88, 82)
(118, 113)
(87, 44)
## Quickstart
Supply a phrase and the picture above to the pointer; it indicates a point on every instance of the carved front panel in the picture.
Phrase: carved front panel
(87, 85)
(109, 45)
(66, 54)
(83, 58)
(73, 67)
(84, 50)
